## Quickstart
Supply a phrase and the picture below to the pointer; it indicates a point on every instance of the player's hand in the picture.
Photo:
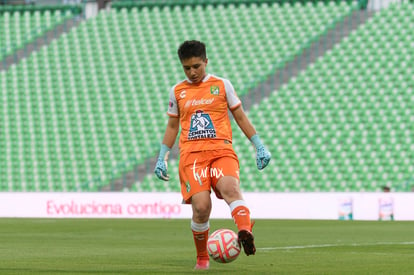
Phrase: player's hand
(262, 157)
(161, 168)
(161, 165)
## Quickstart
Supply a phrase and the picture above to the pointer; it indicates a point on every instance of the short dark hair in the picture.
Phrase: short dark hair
(192, 48)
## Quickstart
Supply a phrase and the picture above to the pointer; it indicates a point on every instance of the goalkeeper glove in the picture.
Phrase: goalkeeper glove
(161, 165)
(262, 154)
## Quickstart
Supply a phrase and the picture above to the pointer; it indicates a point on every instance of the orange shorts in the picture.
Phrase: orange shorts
(200, 171)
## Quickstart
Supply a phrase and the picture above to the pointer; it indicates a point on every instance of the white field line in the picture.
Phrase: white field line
(332, 245)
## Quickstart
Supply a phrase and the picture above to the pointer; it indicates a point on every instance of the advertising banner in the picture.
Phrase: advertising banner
(332, 206)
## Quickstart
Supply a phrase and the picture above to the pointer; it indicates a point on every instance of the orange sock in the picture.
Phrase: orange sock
(241, 216)
(200, 241)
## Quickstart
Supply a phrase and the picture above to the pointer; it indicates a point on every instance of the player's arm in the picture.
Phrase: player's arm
(243, 121)
(171, 131)
(169, 137)
(262, 154)
(167, 143)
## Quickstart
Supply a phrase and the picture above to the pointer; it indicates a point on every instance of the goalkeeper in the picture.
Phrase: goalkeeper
(200, 104)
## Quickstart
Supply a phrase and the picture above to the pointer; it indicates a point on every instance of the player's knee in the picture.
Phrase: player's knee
(201, 204)
(201, 215)
(202, 211)
(229, 189)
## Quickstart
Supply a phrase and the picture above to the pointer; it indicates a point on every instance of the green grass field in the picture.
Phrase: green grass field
(122, 246)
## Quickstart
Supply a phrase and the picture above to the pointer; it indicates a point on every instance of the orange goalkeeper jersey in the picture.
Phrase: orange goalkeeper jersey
(203, 112)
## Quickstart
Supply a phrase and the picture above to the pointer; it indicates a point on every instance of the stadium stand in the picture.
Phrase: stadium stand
(344, 124)
(257, 38)
(21, 25)
(85, 109)
(89, 107)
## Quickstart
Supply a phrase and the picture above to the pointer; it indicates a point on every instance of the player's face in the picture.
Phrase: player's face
(195, 68)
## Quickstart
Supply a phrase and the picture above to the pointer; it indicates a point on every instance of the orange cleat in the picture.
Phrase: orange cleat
(202, 264)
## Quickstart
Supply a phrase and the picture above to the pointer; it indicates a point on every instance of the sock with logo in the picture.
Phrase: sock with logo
(241, 215)
(200, 235)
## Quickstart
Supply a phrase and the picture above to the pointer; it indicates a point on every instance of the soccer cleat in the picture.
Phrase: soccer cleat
(202, 264)
(246, 239)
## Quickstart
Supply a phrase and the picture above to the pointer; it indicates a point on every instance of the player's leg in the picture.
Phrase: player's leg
(195, 189)
(230, 191)
(227, 186)
(201, 205)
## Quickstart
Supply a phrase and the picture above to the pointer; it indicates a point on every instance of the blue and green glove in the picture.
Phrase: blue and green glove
(161, 165)
(263, 156)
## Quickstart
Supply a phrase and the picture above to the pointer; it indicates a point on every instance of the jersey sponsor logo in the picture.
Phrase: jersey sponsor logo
(206, 172)
(197, 102)
(214, 90)
(201, 126)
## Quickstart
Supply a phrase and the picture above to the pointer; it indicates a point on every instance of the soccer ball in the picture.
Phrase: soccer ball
(223, 246)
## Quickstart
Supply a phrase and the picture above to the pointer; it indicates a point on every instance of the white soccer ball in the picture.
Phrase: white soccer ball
(223, 246)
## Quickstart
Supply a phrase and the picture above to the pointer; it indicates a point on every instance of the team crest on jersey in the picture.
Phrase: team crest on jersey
(214, 90)
(201, 126)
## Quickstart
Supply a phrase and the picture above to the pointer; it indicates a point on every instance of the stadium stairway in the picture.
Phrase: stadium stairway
(255, 95)
(349, 126)
(41, 41)
(308, 56)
